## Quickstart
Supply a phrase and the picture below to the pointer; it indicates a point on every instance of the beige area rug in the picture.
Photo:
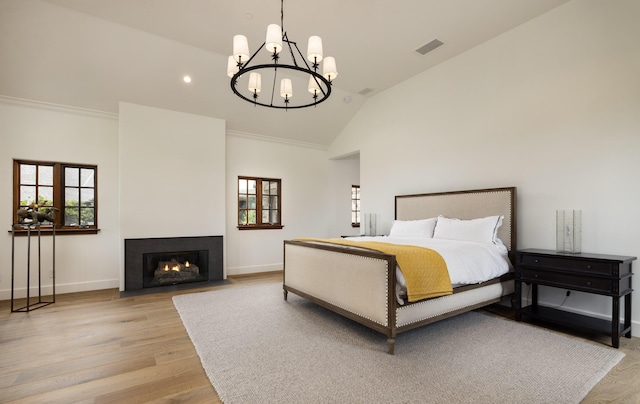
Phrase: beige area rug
(257, 348)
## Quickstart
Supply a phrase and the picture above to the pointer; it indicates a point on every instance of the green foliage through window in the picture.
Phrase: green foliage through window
(259, 203)
(69, 188)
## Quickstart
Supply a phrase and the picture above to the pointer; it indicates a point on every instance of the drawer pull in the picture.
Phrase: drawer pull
(588, 283)
(588, 266)
(536, 261)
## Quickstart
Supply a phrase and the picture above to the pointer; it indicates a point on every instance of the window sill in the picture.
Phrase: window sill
(278, 227)
(59, 232)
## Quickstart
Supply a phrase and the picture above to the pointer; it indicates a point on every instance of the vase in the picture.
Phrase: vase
(568, 231)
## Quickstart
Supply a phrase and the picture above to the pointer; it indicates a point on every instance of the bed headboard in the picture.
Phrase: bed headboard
(464, 205)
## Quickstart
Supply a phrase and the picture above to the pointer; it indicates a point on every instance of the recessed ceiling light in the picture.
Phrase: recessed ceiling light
(187, 79)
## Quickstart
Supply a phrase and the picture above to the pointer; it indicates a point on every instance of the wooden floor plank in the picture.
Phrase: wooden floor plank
(95, 347)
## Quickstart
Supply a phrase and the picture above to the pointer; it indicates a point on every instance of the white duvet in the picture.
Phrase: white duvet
(468, 262)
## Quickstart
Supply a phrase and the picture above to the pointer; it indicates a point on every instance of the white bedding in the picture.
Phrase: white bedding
(468, 262)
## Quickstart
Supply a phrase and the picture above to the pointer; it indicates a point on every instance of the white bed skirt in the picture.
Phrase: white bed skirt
(426, 309)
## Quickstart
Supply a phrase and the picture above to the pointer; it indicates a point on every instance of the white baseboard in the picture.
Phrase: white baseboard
(254, 269)
(47, 290)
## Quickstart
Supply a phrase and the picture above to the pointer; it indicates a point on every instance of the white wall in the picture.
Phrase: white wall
(172, 177)
(309, 183)
(346, 172)
(37, 131)
(163, 173)
(552, 107)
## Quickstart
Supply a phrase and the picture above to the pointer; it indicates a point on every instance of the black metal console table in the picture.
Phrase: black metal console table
(40, 303)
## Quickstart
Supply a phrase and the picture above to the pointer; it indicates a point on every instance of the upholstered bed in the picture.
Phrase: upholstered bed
(361, 283)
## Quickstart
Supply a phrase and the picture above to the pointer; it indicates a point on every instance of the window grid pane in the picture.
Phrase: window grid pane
(71, 216)
(87, 177)
(76, 186)
(71, 176)
(252, 202)
(87, 216)
(258, 202)
(87, 197)
(45, 175)
(27, 195)
(28, 174)
(45, 196)
(79, 196)
(252, 215)
(355, 205)
(36, 185)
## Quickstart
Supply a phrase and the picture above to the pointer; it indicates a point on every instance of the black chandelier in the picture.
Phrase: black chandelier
(290, 69)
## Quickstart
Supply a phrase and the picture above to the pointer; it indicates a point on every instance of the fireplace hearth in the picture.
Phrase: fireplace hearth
(166, 262)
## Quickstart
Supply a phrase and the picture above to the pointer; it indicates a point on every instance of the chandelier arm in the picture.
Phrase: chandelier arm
(307, 65)
(275, 80)
(315, 78)
(245, 64)
(293, 56)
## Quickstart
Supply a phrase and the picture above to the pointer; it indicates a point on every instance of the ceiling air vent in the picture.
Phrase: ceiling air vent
(365, 91)
(424, 49)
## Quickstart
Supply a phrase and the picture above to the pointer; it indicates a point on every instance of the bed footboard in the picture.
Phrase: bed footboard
(326, 275)
(360, 284)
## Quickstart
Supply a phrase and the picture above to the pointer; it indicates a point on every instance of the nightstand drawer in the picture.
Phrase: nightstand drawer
(596, 267)
(570, 281)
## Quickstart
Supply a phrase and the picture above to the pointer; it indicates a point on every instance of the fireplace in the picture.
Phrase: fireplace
(171, 261)
(172, 268)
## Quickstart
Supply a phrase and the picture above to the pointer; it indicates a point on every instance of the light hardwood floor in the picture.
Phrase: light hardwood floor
(95, 347)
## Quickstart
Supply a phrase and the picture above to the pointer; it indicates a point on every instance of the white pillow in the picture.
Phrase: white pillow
(413, 228)
(483, 230)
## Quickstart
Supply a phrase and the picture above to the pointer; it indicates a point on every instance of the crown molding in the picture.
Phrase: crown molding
(56, 107)
(272, 139)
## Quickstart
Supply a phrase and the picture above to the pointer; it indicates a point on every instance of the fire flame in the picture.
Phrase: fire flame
(186, 264)
(175, 268)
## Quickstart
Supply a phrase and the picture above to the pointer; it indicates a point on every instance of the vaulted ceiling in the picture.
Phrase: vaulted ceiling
(94, 53)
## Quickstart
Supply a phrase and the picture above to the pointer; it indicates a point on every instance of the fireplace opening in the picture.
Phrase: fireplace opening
(172, 268)
(160, 264)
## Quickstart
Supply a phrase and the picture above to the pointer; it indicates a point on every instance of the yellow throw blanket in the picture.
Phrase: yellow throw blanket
(424, 269)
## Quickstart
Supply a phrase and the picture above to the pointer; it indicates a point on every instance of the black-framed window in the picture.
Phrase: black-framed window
(259, 203)
(68, 190)
(355, 205)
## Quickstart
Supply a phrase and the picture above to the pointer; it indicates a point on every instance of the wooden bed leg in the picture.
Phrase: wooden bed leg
(286, 294)
(392, 344)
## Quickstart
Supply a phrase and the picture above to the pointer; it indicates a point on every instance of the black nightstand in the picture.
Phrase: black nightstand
(608, 275)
